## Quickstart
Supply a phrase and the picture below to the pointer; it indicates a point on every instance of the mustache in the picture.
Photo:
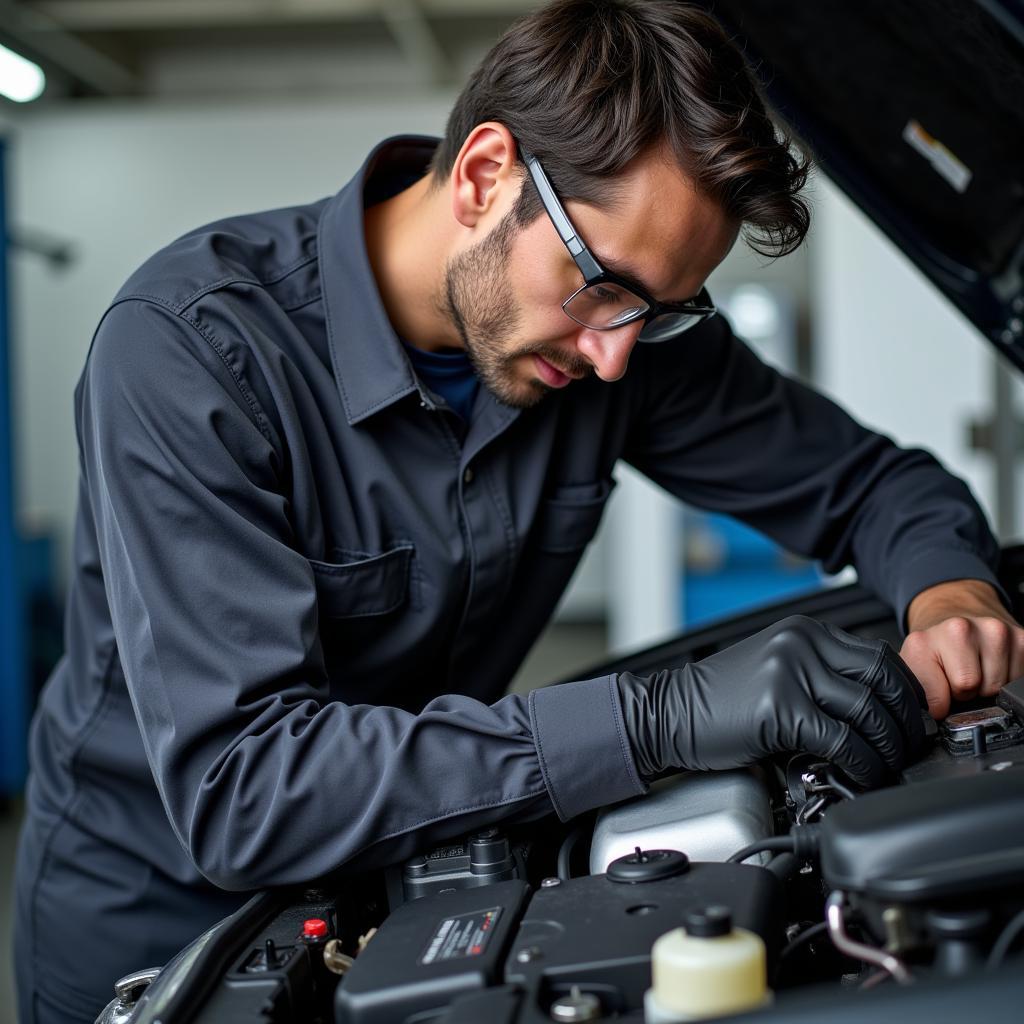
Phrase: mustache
(575, 366)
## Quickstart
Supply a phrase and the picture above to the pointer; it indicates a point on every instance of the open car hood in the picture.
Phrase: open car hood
(916, 111)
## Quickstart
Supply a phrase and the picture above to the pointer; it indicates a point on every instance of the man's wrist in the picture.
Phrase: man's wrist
(955, 598)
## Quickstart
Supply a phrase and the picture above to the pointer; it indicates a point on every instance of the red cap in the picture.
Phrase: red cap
(314, 928)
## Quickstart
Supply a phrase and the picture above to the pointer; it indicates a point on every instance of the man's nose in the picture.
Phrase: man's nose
(608, 351)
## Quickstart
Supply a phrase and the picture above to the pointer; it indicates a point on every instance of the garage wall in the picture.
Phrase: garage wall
(889, 347)
(119, 181)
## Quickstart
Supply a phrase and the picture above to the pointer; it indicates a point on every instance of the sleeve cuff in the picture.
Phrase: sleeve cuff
(585, 758)
(942, 566)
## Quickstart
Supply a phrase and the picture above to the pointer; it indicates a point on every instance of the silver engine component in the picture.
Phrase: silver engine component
(707, 815)
(128, 991)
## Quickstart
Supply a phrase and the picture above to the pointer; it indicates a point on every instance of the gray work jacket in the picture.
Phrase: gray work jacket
(301, 585)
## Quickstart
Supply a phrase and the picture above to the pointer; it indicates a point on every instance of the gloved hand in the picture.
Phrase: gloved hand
(799, 685)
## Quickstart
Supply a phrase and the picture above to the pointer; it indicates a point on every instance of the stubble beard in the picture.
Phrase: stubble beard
(479, 302)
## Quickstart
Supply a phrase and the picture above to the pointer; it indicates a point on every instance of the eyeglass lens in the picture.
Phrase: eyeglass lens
(604, 305)
(666, 326)
(607, 305)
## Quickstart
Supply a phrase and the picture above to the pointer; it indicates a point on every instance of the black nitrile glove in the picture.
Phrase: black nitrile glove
(799, 685)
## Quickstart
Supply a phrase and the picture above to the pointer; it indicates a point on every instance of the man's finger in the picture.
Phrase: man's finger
(919, 657)
(837, 742)
(1016, 654)
(994, 639)
(903, 696)
(897, 696)
(855, 704)
(956, 648)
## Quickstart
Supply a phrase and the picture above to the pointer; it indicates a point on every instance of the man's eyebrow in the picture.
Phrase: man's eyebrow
(629, 275)
(623, 270)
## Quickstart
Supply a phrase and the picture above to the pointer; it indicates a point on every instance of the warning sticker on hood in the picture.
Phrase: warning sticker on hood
(941, 159)
(461, 936)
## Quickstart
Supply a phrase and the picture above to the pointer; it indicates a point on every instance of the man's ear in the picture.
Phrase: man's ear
(485, 173)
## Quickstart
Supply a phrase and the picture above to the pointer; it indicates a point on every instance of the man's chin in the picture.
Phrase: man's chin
(518, 394)
(524, 397)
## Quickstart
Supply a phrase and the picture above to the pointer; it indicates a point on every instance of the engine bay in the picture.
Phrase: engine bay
(912, 888)
(904, 903)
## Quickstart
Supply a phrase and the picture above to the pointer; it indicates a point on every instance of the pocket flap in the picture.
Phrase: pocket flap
(568, 520)
(373, 585)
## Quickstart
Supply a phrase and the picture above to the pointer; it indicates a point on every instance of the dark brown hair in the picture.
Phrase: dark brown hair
(588, 85)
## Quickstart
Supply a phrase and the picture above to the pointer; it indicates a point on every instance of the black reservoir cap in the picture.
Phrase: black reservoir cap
(708, 923)
(648, 866)
(490, 853)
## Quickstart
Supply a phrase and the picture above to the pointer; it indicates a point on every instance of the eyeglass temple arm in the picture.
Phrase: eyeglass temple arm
(589, 267)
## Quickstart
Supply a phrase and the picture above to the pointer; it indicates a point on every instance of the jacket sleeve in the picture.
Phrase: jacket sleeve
(723, 431)
(265, 777)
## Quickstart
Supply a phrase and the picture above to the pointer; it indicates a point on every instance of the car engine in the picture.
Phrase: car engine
(860, 901)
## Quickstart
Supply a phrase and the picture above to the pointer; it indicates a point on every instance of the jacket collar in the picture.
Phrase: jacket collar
(370, 367)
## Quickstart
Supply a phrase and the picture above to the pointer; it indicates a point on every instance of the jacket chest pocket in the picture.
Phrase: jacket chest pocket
(568, 519)
(368, 585)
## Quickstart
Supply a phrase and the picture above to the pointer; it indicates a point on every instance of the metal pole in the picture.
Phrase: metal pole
(1004, 450)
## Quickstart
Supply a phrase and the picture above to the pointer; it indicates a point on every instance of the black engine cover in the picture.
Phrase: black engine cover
(929, 841)
(591, 933)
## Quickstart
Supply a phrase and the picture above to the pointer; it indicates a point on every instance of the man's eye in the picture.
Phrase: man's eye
(606, 294)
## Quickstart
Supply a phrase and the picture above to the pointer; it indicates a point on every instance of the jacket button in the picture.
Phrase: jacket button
(467, 476)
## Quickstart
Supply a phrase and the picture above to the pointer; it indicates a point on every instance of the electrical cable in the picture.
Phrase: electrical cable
(807, 934)
(1010, 933)
(565, 852)
(783, 844)
(810, 932)
(811, 808)
(840, 787)
(783, 865)
(802, 842)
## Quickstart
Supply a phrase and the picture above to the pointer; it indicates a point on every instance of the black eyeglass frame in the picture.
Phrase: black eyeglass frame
(701, 305)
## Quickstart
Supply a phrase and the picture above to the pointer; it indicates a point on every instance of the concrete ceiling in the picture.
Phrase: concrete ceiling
(223, 48)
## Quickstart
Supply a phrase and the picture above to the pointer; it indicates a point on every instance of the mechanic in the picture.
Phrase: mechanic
(338, 463)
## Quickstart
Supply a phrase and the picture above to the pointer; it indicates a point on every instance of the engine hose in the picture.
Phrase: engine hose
(783, 844)
(565, 851)
(1006, 939)
(834, 906)
(802, 842)
(784, 866)
(838, 785)
(805, 936)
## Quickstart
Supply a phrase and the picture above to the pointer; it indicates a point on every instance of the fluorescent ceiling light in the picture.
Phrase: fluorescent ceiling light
(20, 79)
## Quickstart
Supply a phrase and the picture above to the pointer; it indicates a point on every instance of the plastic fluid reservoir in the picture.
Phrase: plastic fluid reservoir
(707, 968)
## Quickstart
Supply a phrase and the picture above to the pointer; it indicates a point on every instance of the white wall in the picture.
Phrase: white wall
(119, 181)
(890, 348)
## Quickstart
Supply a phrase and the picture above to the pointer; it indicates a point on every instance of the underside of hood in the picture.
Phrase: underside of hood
(915, 109)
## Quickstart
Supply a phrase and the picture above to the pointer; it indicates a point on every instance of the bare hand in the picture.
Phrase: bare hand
(963, 643)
